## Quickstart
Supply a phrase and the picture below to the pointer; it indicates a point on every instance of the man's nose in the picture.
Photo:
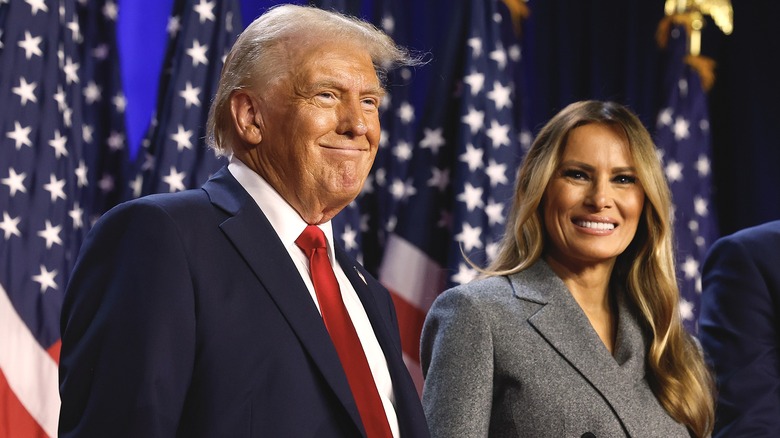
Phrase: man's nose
(352, 120)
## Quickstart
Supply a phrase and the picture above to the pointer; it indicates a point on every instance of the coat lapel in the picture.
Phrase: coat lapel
(562, 323)
(254, 238)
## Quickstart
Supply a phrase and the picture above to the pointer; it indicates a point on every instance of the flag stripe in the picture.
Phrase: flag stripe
(408, 271)
(30, 371)
(15, 421)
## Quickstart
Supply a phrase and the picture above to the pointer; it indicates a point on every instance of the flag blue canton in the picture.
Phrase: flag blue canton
(683, 138)
(62, 145)
(174, 156)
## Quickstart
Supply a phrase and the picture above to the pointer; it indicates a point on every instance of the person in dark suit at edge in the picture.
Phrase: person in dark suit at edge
(739, 328)
(229, 311)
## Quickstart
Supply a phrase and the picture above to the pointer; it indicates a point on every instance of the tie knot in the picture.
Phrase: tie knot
(311, 238)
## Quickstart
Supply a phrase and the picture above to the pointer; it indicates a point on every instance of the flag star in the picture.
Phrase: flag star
(25, 91)
(59, 96)
(81, 174)
(198, 54)
(495, 212)
(388, 24)
(66, 117)
(693, 225)
(75, 29)
(703, 165)
(515, 52)
(110, 10)
(439, 178)
(476, 46)
(31, 45)
(526, 138)
(397, 189)
(174, 25)
(136, 185)
(382, 139)
(106, 183)
(472, 196)
(37, 5)
(475, 81)
(690, 267)
(433, 140)
(10, 226)
(46, 279)
(100, 52)
(77, 215)
(229, 28)
(406, 112)
(15, 181)
(55, 187)
(116, 141)
(205, 10)
(86, 133)
(682, 85)
(58, 143)
(380, 177)
(20, 135)
(704, 125)
(665, 117)
(472, 157)
(500, 95)
(349, 238)
(686, 309)
(475, 119)
(51, 234)
(465, 274)
(190, 95)
(175, 180)
(498, 133)
(92, 92)
(470, 237)
(402, 151)
(497, 173)
(700, 206)
(674, 171)
(71, 70)
(119, 101)
(499, 55)
(681, 128)
(368, 186)
(182, 138)
(491, 251)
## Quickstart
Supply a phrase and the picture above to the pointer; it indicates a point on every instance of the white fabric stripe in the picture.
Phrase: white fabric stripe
(410, 273)
(30, 371)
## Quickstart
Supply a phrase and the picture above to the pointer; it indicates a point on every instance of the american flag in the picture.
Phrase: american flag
(444, 172)
(61, 148)
(174, 155)
(683, 139)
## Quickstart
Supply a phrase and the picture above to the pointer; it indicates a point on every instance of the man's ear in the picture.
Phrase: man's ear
(245, 111)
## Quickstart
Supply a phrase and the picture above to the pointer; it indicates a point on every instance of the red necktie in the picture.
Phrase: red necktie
(342, 332)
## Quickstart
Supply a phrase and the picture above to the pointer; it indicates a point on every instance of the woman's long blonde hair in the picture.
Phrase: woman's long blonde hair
(646, 270)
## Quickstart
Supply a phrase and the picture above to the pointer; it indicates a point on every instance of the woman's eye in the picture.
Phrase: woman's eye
(625, 179)
(575, 174)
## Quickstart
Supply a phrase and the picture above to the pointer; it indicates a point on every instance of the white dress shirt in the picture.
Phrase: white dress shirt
(288, 224)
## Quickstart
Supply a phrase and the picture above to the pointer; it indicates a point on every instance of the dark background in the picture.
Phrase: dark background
(573, 50)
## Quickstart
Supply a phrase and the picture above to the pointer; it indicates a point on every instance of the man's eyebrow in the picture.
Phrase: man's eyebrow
(327, 83)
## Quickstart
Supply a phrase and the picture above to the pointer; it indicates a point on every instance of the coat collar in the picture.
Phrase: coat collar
(253, 237)
(562, 323)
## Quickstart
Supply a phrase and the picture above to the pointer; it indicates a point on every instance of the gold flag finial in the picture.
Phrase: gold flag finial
(720, 10)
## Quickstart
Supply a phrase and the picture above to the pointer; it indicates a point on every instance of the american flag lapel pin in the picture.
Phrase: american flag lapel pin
(360, 275)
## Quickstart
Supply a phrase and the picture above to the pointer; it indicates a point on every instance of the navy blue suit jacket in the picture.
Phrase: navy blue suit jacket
(739, 330)
(186, 317)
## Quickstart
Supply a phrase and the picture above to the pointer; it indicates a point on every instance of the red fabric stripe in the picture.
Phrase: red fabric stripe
(15, 421)
(410, 323)
(54, 351)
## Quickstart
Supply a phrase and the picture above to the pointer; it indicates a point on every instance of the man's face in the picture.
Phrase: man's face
(320, 127)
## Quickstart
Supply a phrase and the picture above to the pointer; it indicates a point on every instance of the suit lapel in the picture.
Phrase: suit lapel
(254, 238)
(563, 324)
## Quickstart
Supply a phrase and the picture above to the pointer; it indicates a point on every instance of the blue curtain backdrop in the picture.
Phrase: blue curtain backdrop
(575, 50)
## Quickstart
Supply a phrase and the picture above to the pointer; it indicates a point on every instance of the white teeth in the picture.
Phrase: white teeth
(596, 225)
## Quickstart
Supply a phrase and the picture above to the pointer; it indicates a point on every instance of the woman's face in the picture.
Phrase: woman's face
(593, 203)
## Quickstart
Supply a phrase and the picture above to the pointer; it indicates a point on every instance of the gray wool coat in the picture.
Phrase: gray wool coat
(517, 357)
